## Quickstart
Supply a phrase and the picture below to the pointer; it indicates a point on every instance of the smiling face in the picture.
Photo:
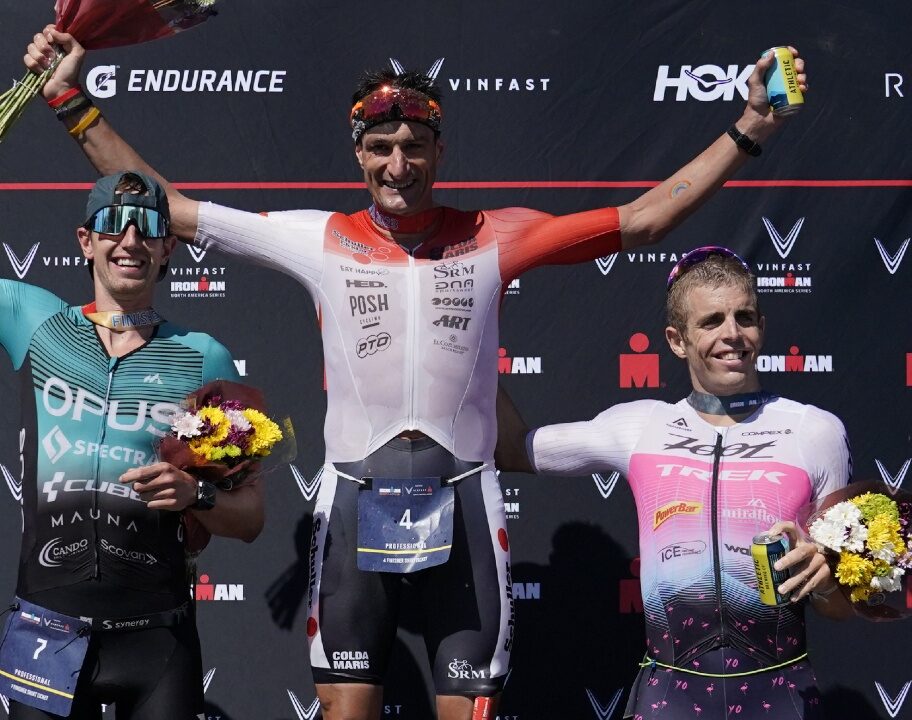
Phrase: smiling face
(399, 160)
(125, 266)
(721, 338)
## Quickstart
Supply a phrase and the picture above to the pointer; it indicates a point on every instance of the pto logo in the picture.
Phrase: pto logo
(705, 83)
(21, 267)
(604, 712)
(675, 507)
(891, 262)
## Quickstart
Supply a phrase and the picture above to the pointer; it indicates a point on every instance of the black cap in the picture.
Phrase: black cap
(103, 194)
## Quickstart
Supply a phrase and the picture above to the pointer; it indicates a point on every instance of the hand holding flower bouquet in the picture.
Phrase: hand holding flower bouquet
(105, 24)
(866, 532)
(221, 436)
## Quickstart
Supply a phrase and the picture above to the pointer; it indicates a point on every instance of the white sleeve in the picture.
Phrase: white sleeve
(603, 443)
(290, 242)
(826, 452)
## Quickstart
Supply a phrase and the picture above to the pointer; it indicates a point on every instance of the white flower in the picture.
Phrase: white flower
(187, 425)
(856, 540)
(846, 513)
(238, 420)
(889, 583)
(886, 553)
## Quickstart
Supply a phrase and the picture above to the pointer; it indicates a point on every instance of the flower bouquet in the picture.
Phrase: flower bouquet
(105, 24)
(865, 530)
(221, 436)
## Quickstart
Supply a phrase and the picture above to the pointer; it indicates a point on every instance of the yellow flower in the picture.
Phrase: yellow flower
(860, 593)
(873, 504)
(219, 421)
(854, 570)
(884, 531)
(265, 432)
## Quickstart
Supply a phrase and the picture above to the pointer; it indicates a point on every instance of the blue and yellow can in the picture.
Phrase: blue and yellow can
(766, 550)
(782, 89)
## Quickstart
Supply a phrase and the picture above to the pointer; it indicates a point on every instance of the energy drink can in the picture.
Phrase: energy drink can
(782, 83)
(766, 550)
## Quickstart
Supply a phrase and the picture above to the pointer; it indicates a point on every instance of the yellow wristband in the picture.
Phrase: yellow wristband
(87, 120)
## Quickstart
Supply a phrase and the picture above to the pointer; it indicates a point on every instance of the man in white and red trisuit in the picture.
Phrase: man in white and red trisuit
(408, 293)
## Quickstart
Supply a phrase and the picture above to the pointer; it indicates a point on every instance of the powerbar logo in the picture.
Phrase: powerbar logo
(675, 508)
(102, 81)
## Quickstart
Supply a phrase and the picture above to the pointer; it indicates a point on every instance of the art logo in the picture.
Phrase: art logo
(304, 713)
(705, 83)
(785, 277)
(307, 487)
(894, 482)
(795, 361)
(102, 81)
(507, 365)
(21, 266)
(893, 704)
(606, 711)
(639, 369)
(606, 485)
(205, 590)
(891, 262)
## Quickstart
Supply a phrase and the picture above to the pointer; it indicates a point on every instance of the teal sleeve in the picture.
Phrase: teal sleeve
(23, 308)
(218, 363)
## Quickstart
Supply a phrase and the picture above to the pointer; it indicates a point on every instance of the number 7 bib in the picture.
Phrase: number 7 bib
(41, 654)
(404, 525)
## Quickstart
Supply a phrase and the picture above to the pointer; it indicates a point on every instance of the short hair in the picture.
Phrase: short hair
(131, 184)
(371, 80)
(713, 272)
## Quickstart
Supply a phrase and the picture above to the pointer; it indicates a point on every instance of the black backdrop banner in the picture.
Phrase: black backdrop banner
(561, 107)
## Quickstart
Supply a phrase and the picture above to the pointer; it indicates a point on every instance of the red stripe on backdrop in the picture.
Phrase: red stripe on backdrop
(473, 185)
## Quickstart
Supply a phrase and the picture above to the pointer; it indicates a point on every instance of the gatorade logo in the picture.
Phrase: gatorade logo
(676, 507)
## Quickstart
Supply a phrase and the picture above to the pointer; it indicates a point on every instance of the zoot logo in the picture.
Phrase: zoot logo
(705, 83)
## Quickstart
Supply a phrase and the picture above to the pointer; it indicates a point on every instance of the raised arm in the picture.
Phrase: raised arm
(651, 216)
(105, 149)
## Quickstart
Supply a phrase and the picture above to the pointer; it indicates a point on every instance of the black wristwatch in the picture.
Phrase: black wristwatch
(205, 496)
(744, 142)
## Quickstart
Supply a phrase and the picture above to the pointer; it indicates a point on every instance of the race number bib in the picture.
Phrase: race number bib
(404, 525)
(41, 654)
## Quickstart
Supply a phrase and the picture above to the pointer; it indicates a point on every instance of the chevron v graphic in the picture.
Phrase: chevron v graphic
(21, 267)
(196, 253)
(604, 712)
(783, 245)
(308, 487)
(893, 705)
(893, 481)
(14, 485)
(606, 485)
(207, 679)
(605, 264)
(4, 700)
(308, 713)
(890, 261)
